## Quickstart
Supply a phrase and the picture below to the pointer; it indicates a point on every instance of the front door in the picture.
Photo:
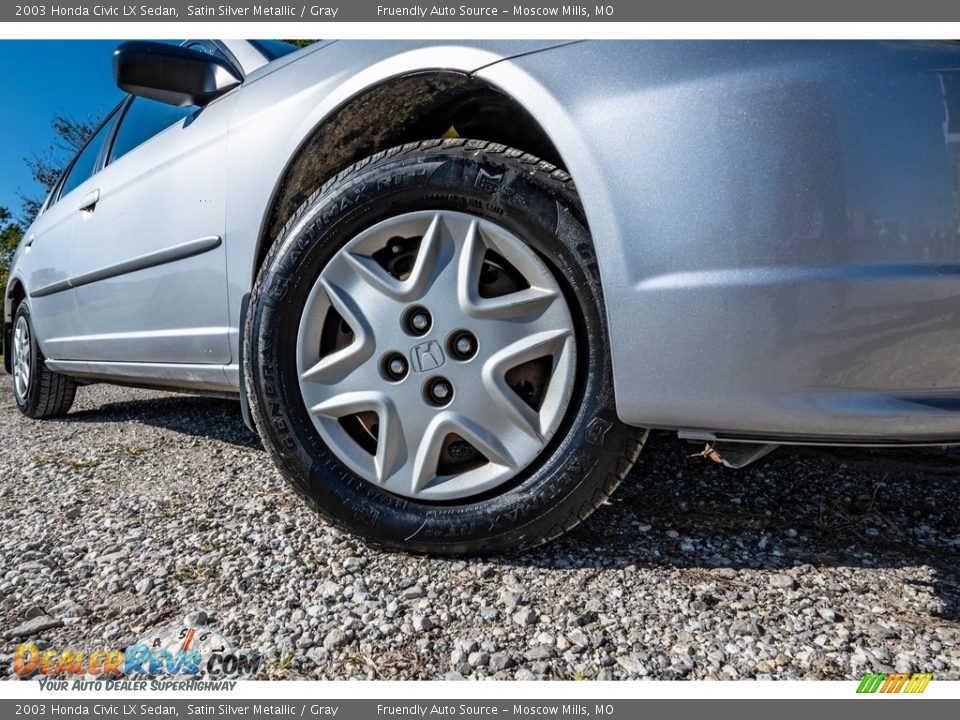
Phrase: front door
(148, 257)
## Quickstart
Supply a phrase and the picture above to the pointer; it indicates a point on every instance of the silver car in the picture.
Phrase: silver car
(452, 282)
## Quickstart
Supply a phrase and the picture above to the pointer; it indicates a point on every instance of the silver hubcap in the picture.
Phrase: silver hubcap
(436, 355)
(21, 358)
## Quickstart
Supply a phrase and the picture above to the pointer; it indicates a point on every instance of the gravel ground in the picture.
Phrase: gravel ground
(142, 508)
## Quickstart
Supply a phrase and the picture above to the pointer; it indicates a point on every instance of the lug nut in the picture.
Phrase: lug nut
(418, 321)
(394, 366)
(439, 391)
(463, 345)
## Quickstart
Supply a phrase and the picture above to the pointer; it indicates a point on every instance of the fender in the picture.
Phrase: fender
(770, 220)
(274, 120)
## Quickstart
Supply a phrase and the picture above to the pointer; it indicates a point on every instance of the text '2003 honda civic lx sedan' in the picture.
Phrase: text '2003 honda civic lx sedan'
(452, 283)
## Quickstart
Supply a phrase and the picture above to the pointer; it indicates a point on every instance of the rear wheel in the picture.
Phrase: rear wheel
(427, 357)
(39, 392)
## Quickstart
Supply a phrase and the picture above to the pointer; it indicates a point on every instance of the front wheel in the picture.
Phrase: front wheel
(427, 355)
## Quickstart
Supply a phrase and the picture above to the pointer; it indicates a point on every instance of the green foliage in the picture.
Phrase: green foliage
(300, 43)
(10, 234)
(46, 167)
(71, 134)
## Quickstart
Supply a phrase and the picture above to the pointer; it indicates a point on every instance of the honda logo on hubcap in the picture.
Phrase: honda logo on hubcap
(426, 356)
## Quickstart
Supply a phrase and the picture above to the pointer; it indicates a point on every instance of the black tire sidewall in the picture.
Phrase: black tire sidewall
(30, 401)
(550, 494)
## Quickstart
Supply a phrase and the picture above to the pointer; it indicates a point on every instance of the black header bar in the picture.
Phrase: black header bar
(485, 11)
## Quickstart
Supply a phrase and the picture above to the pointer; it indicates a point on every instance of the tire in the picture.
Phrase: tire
(586, 456)
(44, 393)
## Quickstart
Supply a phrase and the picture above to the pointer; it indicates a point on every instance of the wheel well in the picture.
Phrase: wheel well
(411, 108)
(15, 297)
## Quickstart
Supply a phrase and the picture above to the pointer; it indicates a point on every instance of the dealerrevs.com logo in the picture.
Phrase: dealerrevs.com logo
(176, 657)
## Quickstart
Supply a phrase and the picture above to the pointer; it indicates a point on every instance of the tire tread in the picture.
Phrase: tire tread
(55, 395)
(534, 164)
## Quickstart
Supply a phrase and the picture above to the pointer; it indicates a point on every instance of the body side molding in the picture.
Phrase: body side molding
(142, 262)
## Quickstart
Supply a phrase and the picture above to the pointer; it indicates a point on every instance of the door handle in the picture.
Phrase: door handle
(89, 203)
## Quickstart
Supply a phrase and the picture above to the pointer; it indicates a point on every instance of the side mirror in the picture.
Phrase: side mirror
(173, 75)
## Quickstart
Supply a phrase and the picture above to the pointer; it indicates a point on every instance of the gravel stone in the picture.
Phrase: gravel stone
(632, 665)
(783, 581)
(336, 638)
(478, 659)
(34, 611)
(69, 609)
(197, 618)
(421, 623)
(500, 661)
(540, 652)
(33, 626)
(413, 592)
(467, 645)
(828, 614)
(510, 599)
(525, 617)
